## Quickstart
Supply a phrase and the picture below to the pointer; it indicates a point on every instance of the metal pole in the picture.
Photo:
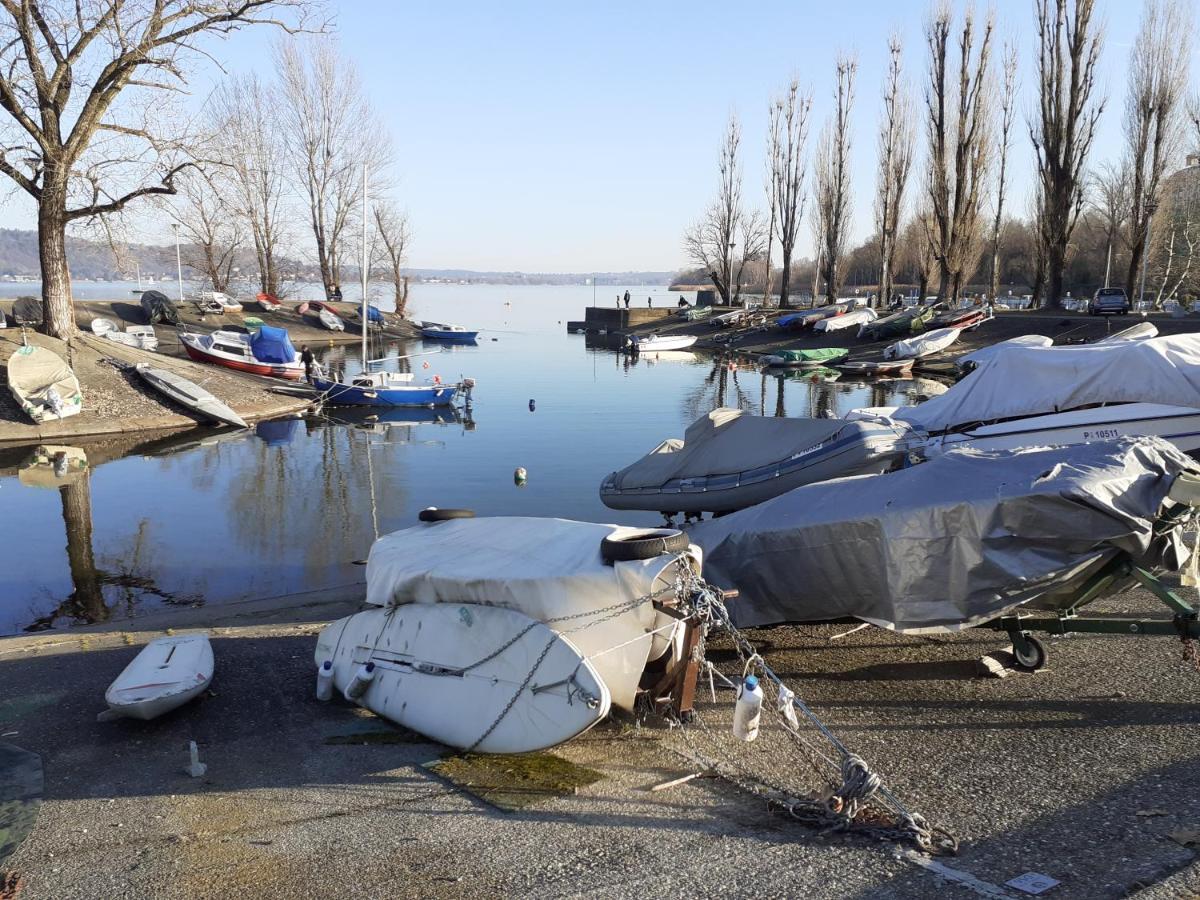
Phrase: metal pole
(364, 319)
(1108, 264)
(178, 262)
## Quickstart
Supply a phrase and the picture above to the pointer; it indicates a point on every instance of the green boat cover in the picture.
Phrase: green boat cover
(817, 356)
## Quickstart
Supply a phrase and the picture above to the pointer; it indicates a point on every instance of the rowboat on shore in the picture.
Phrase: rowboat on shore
(267, 352)
(43, 385)
(188, 395)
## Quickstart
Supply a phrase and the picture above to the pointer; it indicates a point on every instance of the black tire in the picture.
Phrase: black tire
(1034, 659)
(433, 514)
(645, 545)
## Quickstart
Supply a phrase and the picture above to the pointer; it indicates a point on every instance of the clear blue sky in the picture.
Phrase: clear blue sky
(563, 136)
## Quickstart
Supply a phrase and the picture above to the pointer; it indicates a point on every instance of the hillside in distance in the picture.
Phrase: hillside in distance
(95, 261)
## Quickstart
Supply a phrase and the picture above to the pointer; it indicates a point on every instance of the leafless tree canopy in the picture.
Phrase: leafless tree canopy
(788, 137)
(833, 179)
(895, 161)
(711, 242)
(209, 225)
(83, 84)
(1008, 96)
(332, 135)
(1110, 198)
(1068, 49)
(1158, 72)
(959, 126)
(394, 235)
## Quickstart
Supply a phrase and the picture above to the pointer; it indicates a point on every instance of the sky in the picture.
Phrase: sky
(579, 137)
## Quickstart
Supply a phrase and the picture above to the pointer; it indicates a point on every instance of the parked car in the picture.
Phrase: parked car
(1109, 301)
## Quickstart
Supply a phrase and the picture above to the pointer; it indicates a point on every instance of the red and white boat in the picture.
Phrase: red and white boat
(258, 354)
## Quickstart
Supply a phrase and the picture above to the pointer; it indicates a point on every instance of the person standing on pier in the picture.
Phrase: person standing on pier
(627, 299)
(306, 357)
(649, 303)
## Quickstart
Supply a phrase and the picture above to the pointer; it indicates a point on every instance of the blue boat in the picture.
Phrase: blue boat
(436, 331)
(384, 389)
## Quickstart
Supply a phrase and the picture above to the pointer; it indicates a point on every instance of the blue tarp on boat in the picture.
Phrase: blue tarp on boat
(272, 345)
(374, 315)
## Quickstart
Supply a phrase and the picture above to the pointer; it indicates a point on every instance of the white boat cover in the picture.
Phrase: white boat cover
(544, 568)
(1138, 332)
(1030, 381)
(949, 543)
(922, 345)
(101, 326)
(723, 442)
(847, 320)
(42, 384)
(978, 357)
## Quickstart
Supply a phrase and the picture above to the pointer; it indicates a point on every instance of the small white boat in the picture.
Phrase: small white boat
(923, 345)
(1138, 332)
(857, 317)
(43, 385)
(101, 326)
(189, 395)
(227, 303)
(140, 336)
(168, 673)
(331, 321)
(652, 342)
(450, 670)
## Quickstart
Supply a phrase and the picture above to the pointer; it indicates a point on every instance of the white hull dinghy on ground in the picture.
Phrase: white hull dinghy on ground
(729, 460)
(449, 671)
(189, 395)
(168, 673)
(859, 317)
(924, 345)
(43, 385)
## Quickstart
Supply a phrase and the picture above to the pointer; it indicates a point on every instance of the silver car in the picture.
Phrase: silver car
(1110, 301)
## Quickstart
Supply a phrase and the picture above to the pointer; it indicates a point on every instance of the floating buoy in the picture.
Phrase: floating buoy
(520, 476)
(437, 379)
(425, 365)
(532, 406)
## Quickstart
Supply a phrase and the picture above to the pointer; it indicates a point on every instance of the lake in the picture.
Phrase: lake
(212, 517)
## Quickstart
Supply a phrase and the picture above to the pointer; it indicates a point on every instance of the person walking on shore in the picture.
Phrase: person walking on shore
(306, 357)
(649, 303)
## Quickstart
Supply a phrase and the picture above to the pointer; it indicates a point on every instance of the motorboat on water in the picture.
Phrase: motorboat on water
(44, 386)
(728, 460)
(651, 342)
(521, 624)
(457, 334)
(1027, 395)
(268, 351)
(385, 389)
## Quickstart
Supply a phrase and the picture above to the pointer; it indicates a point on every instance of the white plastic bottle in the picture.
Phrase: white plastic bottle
(748, 709)
(360, 682)
(325, 680)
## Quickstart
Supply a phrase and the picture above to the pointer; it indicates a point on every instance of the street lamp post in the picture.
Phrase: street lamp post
(1150, 207)
(178, 260)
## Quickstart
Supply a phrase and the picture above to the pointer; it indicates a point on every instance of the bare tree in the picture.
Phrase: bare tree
(1008, 93)
(1158, 74)
(81, 89)
(249, 142)
(333, 134)
(895, 161)
(833, 178)
(789, 134)
(1037, 206)
(711, 242)
(959, 128)
(209, 225)
(1111, 194)
(774, 141)
(392, 229)
(752, 231)
(1068, 50)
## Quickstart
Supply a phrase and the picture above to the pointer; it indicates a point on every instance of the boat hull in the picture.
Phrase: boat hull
(650, 345)
(189, 395)
(167, 673)
(350, 395)
(453, 337)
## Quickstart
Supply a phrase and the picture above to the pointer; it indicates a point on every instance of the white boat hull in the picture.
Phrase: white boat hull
(1179, 425)
(420, 651)
(665, 342)
(168, 673)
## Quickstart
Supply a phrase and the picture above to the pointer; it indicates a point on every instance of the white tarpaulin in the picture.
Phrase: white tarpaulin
(1030, 381)
(544, 568)
(983, 354)
(847, 320)
(922, 344)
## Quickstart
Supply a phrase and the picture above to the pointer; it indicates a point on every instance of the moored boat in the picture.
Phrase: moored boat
(874, 367)
(267, 352)
(43, 385)
(457, 334)
(651, 342)
(385, 389)
(188, 395)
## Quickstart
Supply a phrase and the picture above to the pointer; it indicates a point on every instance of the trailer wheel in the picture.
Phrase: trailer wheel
(1030, 652)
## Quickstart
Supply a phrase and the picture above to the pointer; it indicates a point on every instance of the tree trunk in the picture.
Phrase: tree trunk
(77, 518)
(58, 310)
(785, 284)
(1137, 250)
(1055, 260)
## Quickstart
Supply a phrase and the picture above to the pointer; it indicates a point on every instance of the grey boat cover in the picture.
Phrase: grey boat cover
(27, 311)
(723, 442)
(159, 308)
(949, 543)
(1030, 381)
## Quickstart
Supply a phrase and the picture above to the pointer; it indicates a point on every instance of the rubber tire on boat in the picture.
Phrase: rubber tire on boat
(661, 541)
(1035, 659)
(433, 514)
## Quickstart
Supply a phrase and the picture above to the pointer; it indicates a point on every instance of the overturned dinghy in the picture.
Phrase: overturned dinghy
(728, 460)
(950, 543)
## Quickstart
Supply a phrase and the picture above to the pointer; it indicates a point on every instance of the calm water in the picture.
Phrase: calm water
(206, 517)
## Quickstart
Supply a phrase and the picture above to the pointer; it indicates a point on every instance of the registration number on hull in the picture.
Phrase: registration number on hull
(1102, 434)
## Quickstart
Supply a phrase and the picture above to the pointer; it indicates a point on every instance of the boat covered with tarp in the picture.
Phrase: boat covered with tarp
(898, 324)
(270, 354)
(859, 317)
(950, 543)
(27, 312)
(922, 345)
(806, 359)
(159, 308)
(43, 385)
(728, 460)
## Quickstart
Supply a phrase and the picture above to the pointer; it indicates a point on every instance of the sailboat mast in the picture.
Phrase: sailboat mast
(363, 317)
